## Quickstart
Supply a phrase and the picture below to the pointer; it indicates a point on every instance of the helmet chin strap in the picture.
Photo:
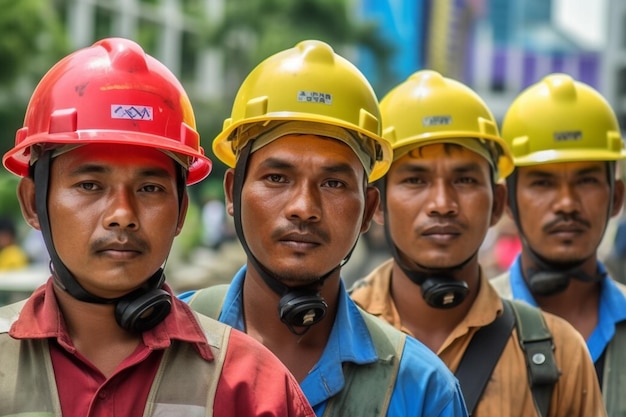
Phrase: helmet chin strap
(137, 311)
(548, 278)
(299, 306)
(439, 287)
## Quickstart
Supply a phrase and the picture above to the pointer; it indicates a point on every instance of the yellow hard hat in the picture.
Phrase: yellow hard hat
(561, 120)
(307, 83)
(428, 108)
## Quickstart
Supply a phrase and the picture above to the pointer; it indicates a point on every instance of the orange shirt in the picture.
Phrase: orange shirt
(507, 393)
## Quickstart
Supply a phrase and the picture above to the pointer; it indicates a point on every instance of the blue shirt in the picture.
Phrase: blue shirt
(612, 308)
(424, 385)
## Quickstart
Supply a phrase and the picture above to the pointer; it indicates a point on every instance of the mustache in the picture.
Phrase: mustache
(303, 228)
(566, 218)
(128, 241)
(439, 221)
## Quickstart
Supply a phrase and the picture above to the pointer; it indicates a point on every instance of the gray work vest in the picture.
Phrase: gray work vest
(184, 384)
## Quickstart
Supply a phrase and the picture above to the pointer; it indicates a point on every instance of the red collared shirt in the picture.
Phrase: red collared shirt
(253, 381)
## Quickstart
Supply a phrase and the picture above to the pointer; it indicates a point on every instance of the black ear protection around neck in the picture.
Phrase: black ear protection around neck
(144, 308)
(298, 307)
(302, 308)
(546, 283)
(549, 281)
(438, 289)
(441, 291)
(135, 312)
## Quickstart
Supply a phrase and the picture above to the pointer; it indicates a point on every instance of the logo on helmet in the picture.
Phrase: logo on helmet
(121, 111)
(570, 136)
(437, 120)
(315, 97)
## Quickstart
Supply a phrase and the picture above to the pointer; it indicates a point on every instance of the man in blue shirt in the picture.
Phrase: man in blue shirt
(566, 142)
(303, 143)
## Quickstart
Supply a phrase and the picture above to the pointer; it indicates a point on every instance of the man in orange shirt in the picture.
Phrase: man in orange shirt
(439, 199)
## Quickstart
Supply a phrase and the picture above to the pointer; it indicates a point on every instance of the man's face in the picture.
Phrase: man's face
(303, 205)
(114, 214)
(563, 208)
(440, 204)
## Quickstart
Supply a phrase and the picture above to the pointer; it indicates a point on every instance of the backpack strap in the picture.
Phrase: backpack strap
(368, 387)
(536, 342)
(486, 346)
(615, 373)
(209, 300)
(481, 356)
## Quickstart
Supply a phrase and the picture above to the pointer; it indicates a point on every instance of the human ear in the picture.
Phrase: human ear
(26, 197)
(618, 197)
(499, 203)
(182, 213)
(229, 181)
(372, 200)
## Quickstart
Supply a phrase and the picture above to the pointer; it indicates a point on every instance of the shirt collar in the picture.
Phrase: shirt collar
(349, 341)
(612, 310)
(519, 288)
(41, 318)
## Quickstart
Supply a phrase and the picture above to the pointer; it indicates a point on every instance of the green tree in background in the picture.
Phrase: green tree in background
(32, 38)
(252, 30)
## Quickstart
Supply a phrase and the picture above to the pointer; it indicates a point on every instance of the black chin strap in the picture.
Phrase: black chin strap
(300, 306)
(138, 311)
(439, 287)
(550, 278)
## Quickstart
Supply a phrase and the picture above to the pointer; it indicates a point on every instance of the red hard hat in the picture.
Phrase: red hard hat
(111, 92)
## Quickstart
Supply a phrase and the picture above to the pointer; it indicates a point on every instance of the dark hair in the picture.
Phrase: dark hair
(7, 225)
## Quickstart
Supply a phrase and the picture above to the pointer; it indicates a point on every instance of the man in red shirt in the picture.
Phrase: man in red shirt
(107, 149)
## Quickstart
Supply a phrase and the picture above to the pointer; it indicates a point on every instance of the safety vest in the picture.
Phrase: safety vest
(614, 370)
(372, 383)
(184, 384)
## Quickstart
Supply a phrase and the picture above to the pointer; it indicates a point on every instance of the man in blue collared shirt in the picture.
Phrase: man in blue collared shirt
(303, 143)
(566, 142)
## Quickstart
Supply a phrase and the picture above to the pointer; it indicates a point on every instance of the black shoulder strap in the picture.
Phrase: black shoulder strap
(486, 346)
(481, 356)
(536, 341)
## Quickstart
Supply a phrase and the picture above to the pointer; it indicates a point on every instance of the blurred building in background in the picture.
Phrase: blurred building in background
(613, 82)
(499, 47)
(178, 34)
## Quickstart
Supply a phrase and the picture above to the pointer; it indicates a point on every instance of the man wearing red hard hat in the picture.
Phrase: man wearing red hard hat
(107, 149)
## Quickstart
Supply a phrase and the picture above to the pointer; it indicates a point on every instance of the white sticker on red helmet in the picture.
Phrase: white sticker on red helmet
(134, 112)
